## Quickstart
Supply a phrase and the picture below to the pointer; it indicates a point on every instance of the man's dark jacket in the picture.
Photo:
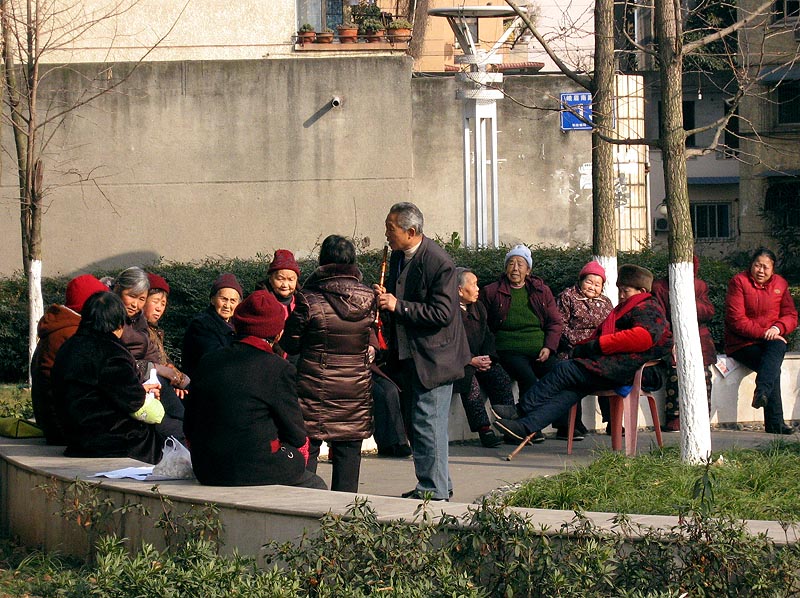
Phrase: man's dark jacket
(430, 313)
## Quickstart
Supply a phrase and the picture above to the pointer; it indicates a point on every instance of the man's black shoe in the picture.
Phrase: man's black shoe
(564, 435)
(417, 495)
(579, 427)
(504, 411)
(512, 427)
(759, 400)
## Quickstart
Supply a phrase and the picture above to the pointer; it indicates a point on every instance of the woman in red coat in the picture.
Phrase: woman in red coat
(759, 315)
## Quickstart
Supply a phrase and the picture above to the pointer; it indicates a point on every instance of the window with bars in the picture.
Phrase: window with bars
(787, 100)
(783, 200)
(711, 221)
(787, 10)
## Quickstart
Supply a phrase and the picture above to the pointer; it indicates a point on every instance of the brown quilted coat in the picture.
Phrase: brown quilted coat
(330, 329)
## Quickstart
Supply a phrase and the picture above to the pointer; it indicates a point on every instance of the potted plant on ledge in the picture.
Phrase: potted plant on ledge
(306, 34)
(348, 33)
(325, 36)
(399, 30)
(372, 29)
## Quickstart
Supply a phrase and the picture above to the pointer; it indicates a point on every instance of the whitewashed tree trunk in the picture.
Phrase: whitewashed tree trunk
(695, 426)
(35, 306)
(609, 263)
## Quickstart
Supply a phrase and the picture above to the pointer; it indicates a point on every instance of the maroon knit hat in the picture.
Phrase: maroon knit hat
(226, 281)
(283, 260)
(260, 315)
(79, 289)
(157, 283)
(593, 268)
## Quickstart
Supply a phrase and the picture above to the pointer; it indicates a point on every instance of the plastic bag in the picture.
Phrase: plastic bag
(176, 462)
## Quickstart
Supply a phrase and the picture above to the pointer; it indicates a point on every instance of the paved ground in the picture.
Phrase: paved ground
(477, 471)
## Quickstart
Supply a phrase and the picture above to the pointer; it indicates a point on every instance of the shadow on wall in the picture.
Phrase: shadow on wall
(114, 264)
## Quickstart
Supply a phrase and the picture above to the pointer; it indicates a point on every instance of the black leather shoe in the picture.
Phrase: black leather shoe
(564, 435)
(512, 427)
(759, 400)
(396, 451)
(417, 495)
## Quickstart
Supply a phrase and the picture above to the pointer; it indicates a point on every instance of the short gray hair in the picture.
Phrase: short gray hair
(132, 279)
(408, 216)
(461, 275)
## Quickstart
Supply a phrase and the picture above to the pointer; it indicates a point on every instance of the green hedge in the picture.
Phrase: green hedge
(190, 283)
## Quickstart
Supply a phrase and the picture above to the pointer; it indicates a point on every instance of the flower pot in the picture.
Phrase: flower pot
(399, 35)
(325, 37)
(306, 37)
(376, 36)
(348, 36)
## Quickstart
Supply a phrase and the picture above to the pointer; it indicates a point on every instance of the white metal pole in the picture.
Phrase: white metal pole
(467, 178)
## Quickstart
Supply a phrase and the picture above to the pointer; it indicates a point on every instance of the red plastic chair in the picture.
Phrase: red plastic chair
(624, 410)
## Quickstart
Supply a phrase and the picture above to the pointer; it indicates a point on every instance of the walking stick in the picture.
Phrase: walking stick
(382, 345)
(521, 446)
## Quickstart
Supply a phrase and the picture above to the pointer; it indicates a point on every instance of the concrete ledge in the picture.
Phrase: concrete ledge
(251, 515)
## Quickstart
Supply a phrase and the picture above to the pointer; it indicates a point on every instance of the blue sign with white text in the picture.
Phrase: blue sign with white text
(576, 108)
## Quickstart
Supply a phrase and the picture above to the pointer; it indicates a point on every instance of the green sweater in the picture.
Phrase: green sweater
(521, 331)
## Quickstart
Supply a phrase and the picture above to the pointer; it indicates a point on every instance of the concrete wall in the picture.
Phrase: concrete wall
(233, 158)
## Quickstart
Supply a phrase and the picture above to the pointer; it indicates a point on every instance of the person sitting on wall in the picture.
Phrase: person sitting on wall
(759, 315)
(57, 324)
(104, 408)
(243, 420)
(483, 371)
(635, 332)
(212, 329)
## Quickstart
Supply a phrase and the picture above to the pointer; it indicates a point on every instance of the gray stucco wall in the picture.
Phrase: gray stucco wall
(235, 158)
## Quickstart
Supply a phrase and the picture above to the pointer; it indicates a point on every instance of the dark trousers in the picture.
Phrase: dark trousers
(671, 401)
(765, 359)
(345, 456)
(496, 383)
(548, 401)
(386, 411)
(172, 424)
(527, 371)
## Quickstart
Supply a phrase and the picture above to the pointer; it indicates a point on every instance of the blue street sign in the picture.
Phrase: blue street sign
(580, 103)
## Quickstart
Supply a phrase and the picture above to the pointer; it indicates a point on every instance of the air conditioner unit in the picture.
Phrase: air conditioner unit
(660, 225)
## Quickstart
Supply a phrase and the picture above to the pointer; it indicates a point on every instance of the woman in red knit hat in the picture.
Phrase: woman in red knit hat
(583, 308)
(282, 276)
(154, 308)
(58, 324)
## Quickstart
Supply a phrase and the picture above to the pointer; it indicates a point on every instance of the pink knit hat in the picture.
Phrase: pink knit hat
(283, 260)
(592, 268)
(79, 289)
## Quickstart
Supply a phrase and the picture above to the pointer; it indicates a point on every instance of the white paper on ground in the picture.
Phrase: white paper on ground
(136, 473)
(725, 365)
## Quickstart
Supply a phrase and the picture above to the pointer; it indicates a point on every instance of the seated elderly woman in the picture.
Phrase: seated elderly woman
(104, 408)
(153, 310)
(583, 308)
(483, 370)
(759, 314)
(523, 315)
(58, 324)
(212, 329)
(132, 286)
(243, 419)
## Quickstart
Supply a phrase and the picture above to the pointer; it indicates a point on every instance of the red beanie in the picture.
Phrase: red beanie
(157, 283)
(80, 289)
(284, 260)
(226, 281)
(260, 315)
(592, 268)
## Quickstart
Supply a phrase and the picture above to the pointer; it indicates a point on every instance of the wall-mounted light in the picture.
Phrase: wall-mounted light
(661, 208)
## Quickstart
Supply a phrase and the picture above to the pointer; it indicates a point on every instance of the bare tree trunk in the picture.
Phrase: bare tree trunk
(695, 428)
(604, 229)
